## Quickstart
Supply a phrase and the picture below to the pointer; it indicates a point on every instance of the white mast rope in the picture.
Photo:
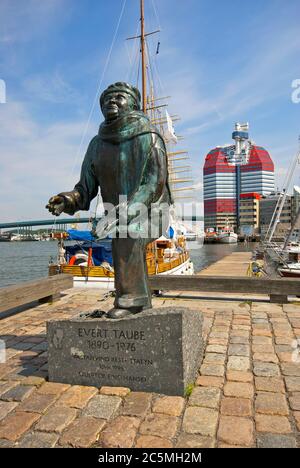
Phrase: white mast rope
(156, 14)
(98, 89)
(280, 208)
(133, 57)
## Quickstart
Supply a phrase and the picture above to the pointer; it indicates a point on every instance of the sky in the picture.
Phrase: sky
(221, 63)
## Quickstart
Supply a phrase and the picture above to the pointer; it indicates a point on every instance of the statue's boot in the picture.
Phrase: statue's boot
(119, 313)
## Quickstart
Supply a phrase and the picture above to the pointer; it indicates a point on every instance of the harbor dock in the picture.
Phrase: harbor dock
(235, 264)
(247, 393)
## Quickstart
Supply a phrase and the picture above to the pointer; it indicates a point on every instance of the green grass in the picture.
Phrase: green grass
(188, 390)
(243, 304)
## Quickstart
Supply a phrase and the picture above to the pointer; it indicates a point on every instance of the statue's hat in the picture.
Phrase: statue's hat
(122, 88)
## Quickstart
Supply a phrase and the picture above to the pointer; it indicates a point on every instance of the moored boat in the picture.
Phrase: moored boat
(227, 237)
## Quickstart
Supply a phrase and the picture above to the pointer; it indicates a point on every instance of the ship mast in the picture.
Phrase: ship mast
(143, 52)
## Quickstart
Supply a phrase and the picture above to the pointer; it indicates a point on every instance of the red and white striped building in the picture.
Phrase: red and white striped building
(231, 171)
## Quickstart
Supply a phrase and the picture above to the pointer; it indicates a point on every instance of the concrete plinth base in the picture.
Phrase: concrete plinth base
(158, 350)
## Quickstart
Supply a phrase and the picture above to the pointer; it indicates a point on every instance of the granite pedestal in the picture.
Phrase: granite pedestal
(157, 350)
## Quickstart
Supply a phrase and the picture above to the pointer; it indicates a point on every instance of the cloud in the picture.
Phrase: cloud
(51, 88)
(36, 162)
(22, 20)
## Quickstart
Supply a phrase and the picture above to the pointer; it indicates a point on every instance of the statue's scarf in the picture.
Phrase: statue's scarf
(126, 127)
(131, 125)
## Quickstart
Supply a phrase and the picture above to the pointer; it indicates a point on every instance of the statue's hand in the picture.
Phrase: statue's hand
(56, 205)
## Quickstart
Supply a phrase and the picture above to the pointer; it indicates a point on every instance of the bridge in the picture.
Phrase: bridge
(61, 223)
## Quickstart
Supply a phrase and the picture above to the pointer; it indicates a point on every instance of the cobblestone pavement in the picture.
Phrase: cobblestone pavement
(247, 393)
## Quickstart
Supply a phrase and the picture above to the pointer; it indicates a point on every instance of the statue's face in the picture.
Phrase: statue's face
(116, 104)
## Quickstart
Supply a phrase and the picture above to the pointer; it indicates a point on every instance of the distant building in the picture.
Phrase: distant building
(231, 171)
(266, 210)
(249, 213)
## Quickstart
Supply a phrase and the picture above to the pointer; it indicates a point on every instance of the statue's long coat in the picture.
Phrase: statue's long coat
(127, 157)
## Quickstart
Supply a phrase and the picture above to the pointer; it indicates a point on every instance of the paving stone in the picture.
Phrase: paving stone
(263, 348)
(56, 419)
(6, 407)
(18, 393)
(116, 391)
(33, 380)
(217, 341)
(200, 421)
(214, 334)
(216, 349)
(171, 405)
(297, 419)
(269, 384)
(120, 433)
(38, 440)
(194, 441)
(240, 333)
(279, 340)
(283, 333)
(261, 332)
(265, 357)
(236, 430)
(286, 357)
(5, 369)
(102, 406)
(207, 397)
(7, 386)
(238, 350)
(223, 445)
(273, 424)
(238, 363)
(16, 424)
(239, 389)
(236, 406)
(137, 404)
(53, 388)
(257, 340)
(83, 433)
(214, 357)
(271, 403)
(283, 348)
(292, 384)
(6, 443)
(295, 401)
(210, 381)
(37, 403)
(239, 376)
(239, 327)
(149, 441)
(212, 369)
(265, 369)
(77, 396)
(159, 425)
(238, 340)
(275, 441)
(291, 369)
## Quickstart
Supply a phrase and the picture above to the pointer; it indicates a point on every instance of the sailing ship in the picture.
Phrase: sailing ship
(90, 259)
(283, 258)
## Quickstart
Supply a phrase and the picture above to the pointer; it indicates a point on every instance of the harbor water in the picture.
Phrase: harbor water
(25, 261)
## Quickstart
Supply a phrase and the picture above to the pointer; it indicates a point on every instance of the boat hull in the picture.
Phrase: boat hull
(108, 284)
(228, 239)
(289, 273)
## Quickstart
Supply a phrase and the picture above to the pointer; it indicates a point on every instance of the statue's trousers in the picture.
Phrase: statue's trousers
(131, 277)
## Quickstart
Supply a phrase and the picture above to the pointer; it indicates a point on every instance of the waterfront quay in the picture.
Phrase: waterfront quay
(247, 393)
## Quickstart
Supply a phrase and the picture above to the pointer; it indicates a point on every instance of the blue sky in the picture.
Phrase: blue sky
(221, 62)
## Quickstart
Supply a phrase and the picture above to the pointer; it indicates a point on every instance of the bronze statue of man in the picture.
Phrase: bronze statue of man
(128, 158)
